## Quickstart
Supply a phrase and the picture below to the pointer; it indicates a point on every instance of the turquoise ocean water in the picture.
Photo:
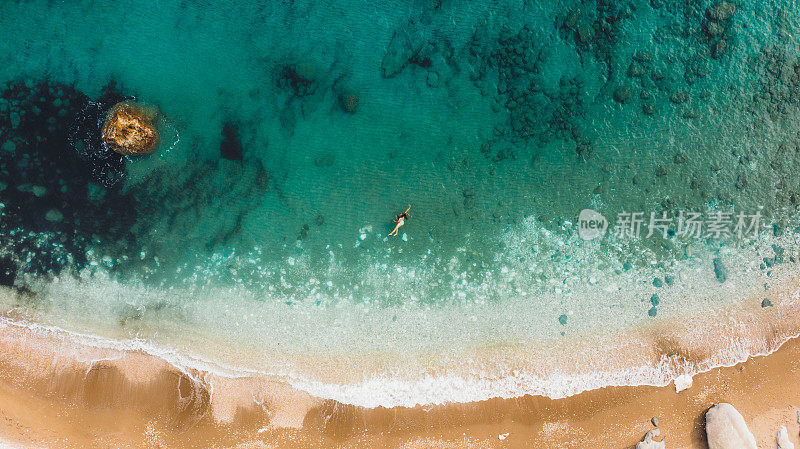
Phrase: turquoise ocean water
(255, 237)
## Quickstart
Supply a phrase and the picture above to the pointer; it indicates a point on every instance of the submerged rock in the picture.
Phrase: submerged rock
(721, 11)
(9, 146)
(726, 429)
(623, 94)
(714, 29)
(54, 215)
(719, 48)
(130, 129)
(720, 271)
(404, 49)
(679, 97)
(8, 272)
(349, 102)
(657, 282)
(231, 146)
(300, 79)
(325, 160)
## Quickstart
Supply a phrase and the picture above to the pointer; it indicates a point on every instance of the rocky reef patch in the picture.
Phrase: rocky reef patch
(57, 192)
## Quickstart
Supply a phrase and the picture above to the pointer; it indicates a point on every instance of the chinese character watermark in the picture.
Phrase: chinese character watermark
(631, 225)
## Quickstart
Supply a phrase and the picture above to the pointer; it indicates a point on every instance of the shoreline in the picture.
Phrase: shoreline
(652, 355)
(50, 388)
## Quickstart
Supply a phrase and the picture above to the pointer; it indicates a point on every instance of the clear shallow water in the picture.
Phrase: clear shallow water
(497, 122)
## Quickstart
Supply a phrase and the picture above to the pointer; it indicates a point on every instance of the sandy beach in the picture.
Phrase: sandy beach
(129, 399)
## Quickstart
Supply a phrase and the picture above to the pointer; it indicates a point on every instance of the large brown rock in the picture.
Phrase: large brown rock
(130, 129)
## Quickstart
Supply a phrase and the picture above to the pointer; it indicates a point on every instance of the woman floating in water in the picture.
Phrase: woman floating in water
(400, 220)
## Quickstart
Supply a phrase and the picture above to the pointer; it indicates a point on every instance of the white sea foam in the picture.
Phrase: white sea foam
(514, 374)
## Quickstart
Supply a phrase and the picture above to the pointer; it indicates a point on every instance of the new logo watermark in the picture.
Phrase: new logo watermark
(591, 224)
(715, 224)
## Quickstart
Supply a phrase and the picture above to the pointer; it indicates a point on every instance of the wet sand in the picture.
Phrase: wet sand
(129, 399)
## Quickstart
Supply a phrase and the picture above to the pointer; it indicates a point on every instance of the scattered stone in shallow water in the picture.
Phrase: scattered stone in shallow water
(720, 271)
(349, 102)
(623, 94)
(562, 319)
(433, 79)
(635, 70)
(741, 182)
(679, 97)
(669, 279)
(721, 11)
(657, 282)
(54, 215)
(405, 47)
(320, 220)
(654, 300)
(231, 146)
(38, 191)
(584, 150)
(299, 78)
(130, 129)
(766, 303)
(642, 56)
(648, 108)
(719, 48)
(779, 253)
(324, 161)
(8, 272)
(653, 311)
(714, 29)
(680, 158)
